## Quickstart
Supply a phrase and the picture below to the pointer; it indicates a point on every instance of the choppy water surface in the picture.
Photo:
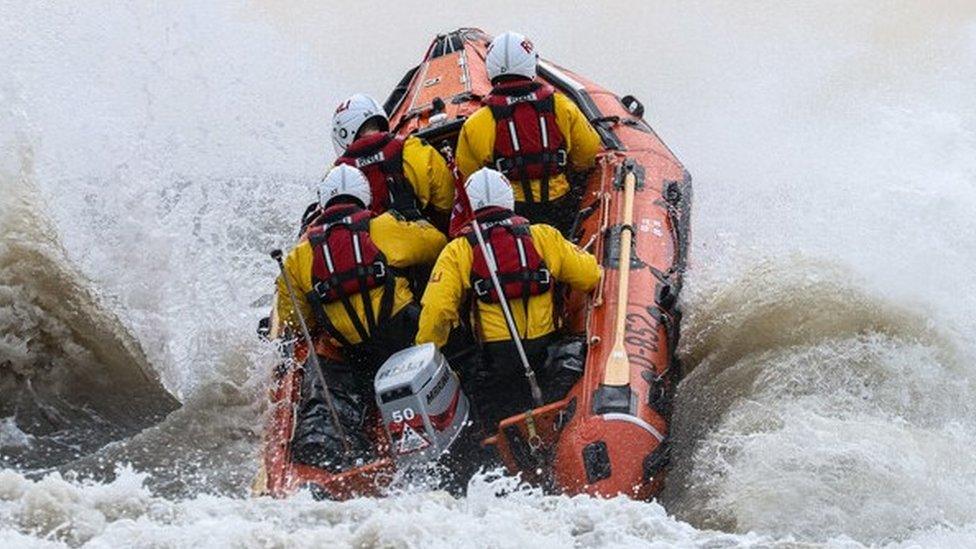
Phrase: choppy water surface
(150, 155)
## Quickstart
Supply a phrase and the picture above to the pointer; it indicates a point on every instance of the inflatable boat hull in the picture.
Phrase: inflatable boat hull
(603, 438)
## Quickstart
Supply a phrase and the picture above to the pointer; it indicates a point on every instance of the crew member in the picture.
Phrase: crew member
(405, 175)
(346, 276)
(530, 133)
(530, 260)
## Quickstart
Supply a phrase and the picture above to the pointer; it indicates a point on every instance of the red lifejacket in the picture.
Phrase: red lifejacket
(346, 263)
(528, 142)
(380, 157)
(522, 273)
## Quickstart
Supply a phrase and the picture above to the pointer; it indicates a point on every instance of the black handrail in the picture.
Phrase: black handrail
(585, 103)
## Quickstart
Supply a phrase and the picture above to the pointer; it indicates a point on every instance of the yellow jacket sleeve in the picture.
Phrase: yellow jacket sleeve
(406, 243)
(566, 261)
(429, 175)
(582, 141)
(297, 262)
(476, 142)
(442, 298)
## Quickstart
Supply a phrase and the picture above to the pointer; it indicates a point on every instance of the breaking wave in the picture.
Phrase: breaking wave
(817, 410)
(72, 377)
(159, 152)
(123, 512)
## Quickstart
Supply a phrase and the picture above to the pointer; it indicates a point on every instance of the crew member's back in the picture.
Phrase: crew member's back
(346, 274)
(530, 259)
(529, 132)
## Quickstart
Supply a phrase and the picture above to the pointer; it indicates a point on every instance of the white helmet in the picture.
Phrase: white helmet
(511, 53)
(344, 180)
(487, 187)
(350, 115)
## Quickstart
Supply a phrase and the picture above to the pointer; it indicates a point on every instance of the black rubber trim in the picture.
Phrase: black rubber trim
(611, 252)
(586, 104)
(627, 166)
(446, 44)
(609, 121)
(318, 492)
(578, 220)
(432, 134)
(661, 393)
(637, 124)
(666, 295)
(596, 461)
(392, 102)
(656, 461)
(520, 448)
(566, 415)
(662, 317)
(612, 399)
(683, 225)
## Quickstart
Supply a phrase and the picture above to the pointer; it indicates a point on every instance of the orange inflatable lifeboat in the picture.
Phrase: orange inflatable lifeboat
(609, 435)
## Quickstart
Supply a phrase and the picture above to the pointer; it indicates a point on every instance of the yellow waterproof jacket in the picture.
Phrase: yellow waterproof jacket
(451, 280)
(476, 145)
(427, 171)
(404, 243)
(428, 174)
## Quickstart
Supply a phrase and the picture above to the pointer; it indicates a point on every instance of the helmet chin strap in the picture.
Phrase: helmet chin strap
(510, 79)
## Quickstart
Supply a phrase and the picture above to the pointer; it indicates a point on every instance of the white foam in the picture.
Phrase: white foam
(123, 513)
(11, 436)
(175, 144)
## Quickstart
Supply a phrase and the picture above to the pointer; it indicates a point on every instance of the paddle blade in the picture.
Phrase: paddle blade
(617, 371)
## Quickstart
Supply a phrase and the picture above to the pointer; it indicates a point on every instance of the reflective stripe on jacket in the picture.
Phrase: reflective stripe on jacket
(403, 243)
(476, 145)
(427, 172)
(450, 283)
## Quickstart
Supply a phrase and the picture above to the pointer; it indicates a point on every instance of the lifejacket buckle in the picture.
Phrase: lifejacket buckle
(322, 288)
(479, 288)
(561, 157)
(503, 165)
(546, 277)
(380, 269)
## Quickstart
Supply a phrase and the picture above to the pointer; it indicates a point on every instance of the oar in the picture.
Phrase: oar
(507, 312)
(312, 356)
(617, 372)
(493, 272)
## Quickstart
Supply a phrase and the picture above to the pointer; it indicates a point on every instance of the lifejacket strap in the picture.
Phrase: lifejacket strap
(323, 320)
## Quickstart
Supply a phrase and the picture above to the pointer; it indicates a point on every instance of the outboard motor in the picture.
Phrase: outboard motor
(423, 407)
